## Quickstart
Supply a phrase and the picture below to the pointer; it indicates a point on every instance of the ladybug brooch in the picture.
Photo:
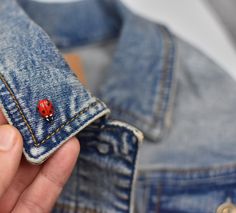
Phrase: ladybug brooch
(46, 109)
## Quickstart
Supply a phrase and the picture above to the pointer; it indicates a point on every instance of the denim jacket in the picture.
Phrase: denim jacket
(178, 97)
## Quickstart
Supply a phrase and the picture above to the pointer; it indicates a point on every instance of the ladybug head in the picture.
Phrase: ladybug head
(49, 118)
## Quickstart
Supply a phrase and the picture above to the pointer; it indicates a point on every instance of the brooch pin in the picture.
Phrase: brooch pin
(46, 109)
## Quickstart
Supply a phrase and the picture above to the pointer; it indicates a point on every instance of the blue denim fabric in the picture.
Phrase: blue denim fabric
(153, 75)
(185, 190)
(32, 69)
(86, 21)
(103, 180)
(147, 105)
(193, 168)
(139, 85)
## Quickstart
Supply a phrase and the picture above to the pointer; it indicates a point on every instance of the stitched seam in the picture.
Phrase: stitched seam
(69, 121)
(36, 143)
(19, 108)
(145, 198)
(64, 206)
(159, 193)
(165, 74)
(170, 81)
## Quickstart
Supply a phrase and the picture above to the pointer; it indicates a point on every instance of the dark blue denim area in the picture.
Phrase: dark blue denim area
(103, 180)
(31, 70)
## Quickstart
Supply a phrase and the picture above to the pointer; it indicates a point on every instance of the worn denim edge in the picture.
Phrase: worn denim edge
(38, 160)
(168, 118)
(139, 139)
(135, 174)
(44, 157)
(133, 129)
(139, 135)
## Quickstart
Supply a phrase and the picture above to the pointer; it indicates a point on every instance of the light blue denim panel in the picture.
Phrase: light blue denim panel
(204, 119)
(103, 180)
(70, 24)
(193, 168)
(185, 191)
(139, 86)
(31, 69)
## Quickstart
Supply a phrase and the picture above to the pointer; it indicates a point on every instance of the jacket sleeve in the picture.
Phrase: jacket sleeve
(32, 69)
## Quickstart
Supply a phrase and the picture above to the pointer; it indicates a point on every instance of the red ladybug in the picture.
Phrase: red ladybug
(46, 109)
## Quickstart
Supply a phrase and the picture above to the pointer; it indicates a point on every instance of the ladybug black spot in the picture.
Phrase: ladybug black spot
(43, 111)
(50, 111)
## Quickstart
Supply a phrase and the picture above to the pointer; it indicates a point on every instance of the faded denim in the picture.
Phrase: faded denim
(181, 100)
(32, 69)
